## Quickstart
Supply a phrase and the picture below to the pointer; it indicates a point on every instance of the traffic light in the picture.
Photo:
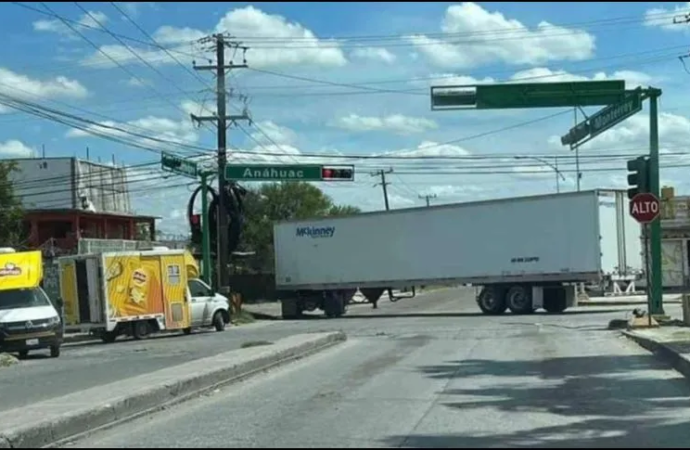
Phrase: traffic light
(638, 179)
(195, 224)
(338, 173)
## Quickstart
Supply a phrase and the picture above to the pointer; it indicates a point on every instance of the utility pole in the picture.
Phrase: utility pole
(427, 198)
(222, 120)
(382, 173)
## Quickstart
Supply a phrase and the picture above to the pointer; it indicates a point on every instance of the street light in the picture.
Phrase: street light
(559, 175)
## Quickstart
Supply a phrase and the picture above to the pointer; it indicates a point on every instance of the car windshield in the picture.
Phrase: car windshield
(22, 298)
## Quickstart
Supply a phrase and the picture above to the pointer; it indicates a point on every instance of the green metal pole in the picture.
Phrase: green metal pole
(657, 307)
(205, 232)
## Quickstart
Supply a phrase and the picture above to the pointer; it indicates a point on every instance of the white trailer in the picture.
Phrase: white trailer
(526, 253)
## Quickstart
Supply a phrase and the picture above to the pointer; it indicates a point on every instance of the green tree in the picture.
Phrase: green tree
(275, 202)
(11, 212)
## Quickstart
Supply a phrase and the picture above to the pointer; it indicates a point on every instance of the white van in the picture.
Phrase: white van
(28, 319)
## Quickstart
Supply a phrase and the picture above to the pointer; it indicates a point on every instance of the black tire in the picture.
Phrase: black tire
(141, 330)
(23, 354)
(334, 304)
(519, 300)
(108, 337)
(187, 331)
(555, 305)
(54, 351)
(291, 309)
(491, 300)
(218, 321)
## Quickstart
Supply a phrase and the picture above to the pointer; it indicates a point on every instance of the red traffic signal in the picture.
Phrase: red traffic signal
(338, 174)
(195, 219)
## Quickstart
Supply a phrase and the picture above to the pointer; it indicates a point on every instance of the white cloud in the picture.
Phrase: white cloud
(274, 133)
(374, 54)
(663, 18)
(137, 82)
(155, 128)
(172, 35)
(517, 45)
(430, 148)
(396, 123)
(57, 26)
(544, 74)
(17, 85)
(297, 44)
(448, 79)
(15, 149)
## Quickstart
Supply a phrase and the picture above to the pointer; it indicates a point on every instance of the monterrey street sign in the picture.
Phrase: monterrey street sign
(615, 114)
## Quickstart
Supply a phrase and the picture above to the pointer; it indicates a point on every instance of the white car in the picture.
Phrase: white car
(208, 308)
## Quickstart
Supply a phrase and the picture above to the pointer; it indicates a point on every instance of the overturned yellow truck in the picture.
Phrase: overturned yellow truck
(137, 294)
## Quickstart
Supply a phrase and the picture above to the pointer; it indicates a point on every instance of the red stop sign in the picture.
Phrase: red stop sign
(644, 207)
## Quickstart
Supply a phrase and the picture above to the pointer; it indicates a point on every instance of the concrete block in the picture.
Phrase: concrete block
(642, 322)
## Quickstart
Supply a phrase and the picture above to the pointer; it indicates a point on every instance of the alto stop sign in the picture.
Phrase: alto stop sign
(644, 207)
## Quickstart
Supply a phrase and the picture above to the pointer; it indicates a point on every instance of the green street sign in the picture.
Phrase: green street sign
(180, 166)
(528, 95)
(268, 172)
(614, 114)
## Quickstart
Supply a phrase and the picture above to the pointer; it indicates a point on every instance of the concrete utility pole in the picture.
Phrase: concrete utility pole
(382, 173)
(427, 198)
(222, 119)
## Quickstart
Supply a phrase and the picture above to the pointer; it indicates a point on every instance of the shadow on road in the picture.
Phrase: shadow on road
(610, 401)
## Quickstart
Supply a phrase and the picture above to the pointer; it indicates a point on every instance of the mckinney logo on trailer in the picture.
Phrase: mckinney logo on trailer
(315, 232)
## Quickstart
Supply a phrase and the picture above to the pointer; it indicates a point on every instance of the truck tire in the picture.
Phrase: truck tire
(334, 304)
(519, 300)
(141, 329)
(54, 351)
(108, 337)
(291, 309)
(491, 300)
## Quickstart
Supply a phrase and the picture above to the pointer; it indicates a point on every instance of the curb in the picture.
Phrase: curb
(665, 353)
(640, 303)
(60, 420)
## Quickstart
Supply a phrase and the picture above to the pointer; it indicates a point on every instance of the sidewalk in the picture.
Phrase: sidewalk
(627, 300)
(670, 343)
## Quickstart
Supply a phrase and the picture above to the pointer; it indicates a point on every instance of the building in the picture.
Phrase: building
(67, 200)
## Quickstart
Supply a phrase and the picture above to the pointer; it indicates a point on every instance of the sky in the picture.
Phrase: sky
(338, 81)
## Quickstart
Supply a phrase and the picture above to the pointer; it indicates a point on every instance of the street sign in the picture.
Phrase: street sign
(576, 134)
(614, 114)
(180, 166)
(644, 207)
(528, 95)
(266, 172)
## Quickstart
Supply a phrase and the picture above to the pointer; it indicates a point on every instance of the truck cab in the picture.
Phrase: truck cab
(28, 319)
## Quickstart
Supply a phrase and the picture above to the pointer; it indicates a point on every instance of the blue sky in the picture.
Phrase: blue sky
(366, 46)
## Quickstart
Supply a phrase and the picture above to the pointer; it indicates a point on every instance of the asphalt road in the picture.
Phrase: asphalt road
(441, 380)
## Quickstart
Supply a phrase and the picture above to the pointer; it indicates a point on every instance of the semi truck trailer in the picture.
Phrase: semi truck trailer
(523, 253)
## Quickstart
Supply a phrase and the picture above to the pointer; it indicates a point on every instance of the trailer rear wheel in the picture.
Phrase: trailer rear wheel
(491, 300)
(519, 300)
(334, 304)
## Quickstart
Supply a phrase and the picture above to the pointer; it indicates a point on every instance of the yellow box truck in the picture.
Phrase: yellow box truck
(136, 294)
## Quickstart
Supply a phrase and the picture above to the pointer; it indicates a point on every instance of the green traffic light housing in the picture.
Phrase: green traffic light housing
(638, 179)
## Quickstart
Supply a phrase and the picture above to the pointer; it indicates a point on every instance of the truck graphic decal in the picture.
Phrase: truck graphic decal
(10, 270)
(315, 232)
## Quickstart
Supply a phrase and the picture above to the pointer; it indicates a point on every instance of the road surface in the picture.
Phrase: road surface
(454, 380)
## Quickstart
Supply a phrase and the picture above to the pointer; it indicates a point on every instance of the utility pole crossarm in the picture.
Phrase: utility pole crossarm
(231, 118)
(226, 67)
